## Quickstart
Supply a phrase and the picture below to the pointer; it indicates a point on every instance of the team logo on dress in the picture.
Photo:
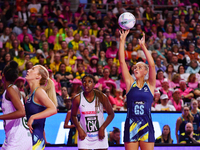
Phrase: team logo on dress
(24, 122)
(92, 124)
(145, 89)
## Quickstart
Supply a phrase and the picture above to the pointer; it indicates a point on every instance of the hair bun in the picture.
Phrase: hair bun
(13, 64)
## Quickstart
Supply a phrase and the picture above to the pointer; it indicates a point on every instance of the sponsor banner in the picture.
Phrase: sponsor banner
(56, 134)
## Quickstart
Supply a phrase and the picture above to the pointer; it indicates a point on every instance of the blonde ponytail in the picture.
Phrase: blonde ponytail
(50, 90)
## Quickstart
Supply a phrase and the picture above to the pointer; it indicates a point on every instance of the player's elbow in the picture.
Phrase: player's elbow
(22, 113)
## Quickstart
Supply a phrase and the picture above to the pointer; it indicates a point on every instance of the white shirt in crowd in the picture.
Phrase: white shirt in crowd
(168, 107)
(36, 6)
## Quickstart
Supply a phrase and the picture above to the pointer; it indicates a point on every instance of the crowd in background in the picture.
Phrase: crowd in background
(72, 44)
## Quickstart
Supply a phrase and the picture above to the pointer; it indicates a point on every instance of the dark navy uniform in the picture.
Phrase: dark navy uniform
(196, 121)
(38, 125)
(184, 138)
(138, 124)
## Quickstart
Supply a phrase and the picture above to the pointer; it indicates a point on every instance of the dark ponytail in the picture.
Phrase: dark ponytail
(11, 71)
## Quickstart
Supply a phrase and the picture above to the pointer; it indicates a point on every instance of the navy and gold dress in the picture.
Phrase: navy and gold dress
(138, 124)
(38, 125)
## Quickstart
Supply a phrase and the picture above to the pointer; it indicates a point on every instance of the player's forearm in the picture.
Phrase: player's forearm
(108, 120)
(148, 55)
(75, 121)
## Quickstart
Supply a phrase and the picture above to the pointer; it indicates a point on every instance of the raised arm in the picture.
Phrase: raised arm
(125, 72)
(152, 71)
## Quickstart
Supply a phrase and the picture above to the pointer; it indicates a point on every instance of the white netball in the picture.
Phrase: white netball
(126, 21)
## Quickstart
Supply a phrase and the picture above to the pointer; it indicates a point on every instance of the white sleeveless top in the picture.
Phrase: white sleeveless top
(91, 117)
(17, 133)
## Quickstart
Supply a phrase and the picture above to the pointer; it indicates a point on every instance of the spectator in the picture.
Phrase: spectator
(20, 82)
(185, 91)
(159, 65)
(92, 68)
(175, 80)
(29, 65)
(5, 36)
(198, 101)
(192, 81)
(27, 46)
(69, 36)
(169, 73)
(55, 65)
(32, 22)
(20, 37)
(176, 100)
(49, 31)
(6, 59)
(94, 30)
(76, 87)
(134, 58)
(148, 14)
(114, 136)
(181, 71)
(182, 121)
(79, 14)
(21, 60)
(169, 32)
(121, 83)
(156, 98)
(35, 59)
(86, 57)
(9, 43)
(80, 73)
(184, 32)
(44, 23)
(119, 99)
(85, 36)
(15, 48)
(24, 13)
(112, 51)
(68, 13)
(164, 106)
(34, 5)
(117, 8)
(196, 115)
(70, 59)
(193, 68)
(62, 76)
(37, 37)
(61, 99)
(112, 86)
(166, 88)
(165, 136)
(74, 44)
(99, 73)
(175, 63)
(189, 136)
(49, 9)
(159, 78)
(53, 38)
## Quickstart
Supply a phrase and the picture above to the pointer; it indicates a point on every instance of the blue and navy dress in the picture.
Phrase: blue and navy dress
(38, 125)
(138, 124)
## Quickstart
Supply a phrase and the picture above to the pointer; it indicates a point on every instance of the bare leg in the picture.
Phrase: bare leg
(146, 145)
(131, 145)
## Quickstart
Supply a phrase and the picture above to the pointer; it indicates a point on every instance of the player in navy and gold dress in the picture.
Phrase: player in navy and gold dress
(139, 129)
(41, 103)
